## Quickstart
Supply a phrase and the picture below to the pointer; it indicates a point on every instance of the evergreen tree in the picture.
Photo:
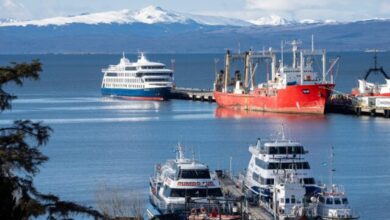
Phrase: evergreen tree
(20, 159)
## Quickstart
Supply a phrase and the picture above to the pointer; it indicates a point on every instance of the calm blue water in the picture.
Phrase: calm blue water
(100, 141)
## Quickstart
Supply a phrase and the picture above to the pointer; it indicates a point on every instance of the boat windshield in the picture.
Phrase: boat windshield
(194, 174)
(337, 201)
(345, 201)
(203, 192)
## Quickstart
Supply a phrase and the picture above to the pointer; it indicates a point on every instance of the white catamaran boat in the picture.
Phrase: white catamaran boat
(178, 181)
(141, 80)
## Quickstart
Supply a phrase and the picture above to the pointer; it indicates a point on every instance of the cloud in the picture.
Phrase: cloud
(13, 9)
(284, 5)
(385, 7)
(322, 9)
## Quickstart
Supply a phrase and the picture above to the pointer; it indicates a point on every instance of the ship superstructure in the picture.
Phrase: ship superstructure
(140, 80)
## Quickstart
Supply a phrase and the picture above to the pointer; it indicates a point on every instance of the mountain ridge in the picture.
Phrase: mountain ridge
(155, 14)
(170, 32)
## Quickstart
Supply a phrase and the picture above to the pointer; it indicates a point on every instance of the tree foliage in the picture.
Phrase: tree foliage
(20, 159)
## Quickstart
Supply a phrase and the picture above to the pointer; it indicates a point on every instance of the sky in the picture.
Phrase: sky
(340, 10)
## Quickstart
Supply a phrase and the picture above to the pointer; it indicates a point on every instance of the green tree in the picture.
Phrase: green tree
(20, 159)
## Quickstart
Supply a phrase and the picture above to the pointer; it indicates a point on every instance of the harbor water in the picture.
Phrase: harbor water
(102, 141)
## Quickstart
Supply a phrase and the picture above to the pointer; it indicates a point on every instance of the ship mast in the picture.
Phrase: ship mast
(227, 70)
(331, 167)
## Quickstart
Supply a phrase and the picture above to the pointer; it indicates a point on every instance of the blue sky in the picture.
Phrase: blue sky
(341, 10)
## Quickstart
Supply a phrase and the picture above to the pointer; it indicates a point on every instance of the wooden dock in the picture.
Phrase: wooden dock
(235, 191)
(204, 95)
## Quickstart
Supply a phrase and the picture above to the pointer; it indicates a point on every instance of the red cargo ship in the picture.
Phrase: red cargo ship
(292, 89)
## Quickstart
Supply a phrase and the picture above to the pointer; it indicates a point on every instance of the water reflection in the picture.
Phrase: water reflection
(221, 112)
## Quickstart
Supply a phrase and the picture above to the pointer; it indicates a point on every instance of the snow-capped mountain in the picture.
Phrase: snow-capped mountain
(148, 15)
(158, 30)
(272, 20)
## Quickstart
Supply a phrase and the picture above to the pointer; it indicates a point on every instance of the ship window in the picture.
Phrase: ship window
(337, 201)
(272, 150)
(154, 74)
(287, 200)
(203, 192)
(345, 201)
(281, 200)
(152, 67)
(112, 74)
(194, 174)
(329, 201)
(167, 191)
(157, 80)
(272, 166)
(255, 177)
(321, 199)
(130, 68)
(269, 181)
(292, 199)
(282, 150)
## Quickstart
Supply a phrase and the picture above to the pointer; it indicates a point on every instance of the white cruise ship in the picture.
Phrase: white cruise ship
(140, 80)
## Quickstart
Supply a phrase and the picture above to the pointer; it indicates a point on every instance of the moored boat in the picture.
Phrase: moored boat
(140, 80)
(278, 178)
(291, 89)
(184, 188)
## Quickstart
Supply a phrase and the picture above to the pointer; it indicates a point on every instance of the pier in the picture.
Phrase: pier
(204, 95)
(347, 104)
(254, 212)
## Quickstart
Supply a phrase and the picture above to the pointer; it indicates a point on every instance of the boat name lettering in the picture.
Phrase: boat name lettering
(195, 184)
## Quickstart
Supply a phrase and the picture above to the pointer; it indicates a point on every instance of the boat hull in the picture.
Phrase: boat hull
(310, 99)
(158, 94)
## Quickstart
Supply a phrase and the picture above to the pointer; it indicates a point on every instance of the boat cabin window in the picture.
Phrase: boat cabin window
(167, 191)
(293, 199)
(329, 201)
(337, 201)
(345, 201)
(321, 199)
(261, 180)
(255, 177)
(112, 74)
(152, 67)
(284, 166)
(154, 74)
(157, 80)
(130, 68)
(203, 192)
(285, 150)
(194, 174)
(281, 200)
(287, 200)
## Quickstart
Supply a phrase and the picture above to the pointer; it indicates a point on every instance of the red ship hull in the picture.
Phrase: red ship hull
(309, 99)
